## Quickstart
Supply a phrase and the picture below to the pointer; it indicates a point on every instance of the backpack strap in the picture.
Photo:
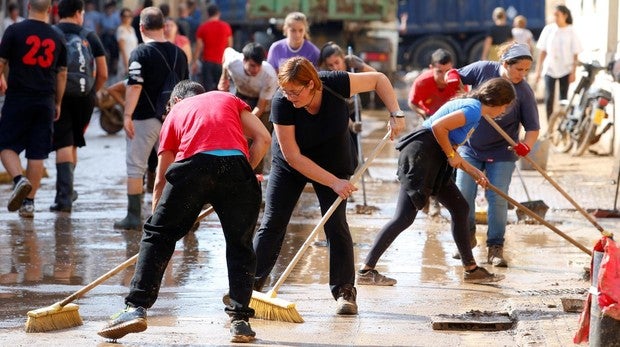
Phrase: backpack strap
(174, 64)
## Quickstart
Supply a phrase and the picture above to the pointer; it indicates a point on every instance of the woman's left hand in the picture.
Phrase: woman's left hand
(480, 178)
(396, 125)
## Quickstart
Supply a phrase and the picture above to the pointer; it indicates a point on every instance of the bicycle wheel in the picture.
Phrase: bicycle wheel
(557, 132)
(588, 129)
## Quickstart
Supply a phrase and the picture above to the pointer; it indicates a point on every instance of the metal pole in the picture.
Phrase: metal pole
(358, 136)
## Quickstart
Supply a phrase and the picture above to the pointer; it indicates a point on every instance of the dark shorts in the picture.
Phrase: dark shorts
(75, 115)
(27, 124)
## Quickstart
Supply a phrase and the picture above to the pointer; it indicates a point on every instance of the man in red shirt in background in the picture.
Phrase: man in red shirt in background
(430, 90)
(212, 38)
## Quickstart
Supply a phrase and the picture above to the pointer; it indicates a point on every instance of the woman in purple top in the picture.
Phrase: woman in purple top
(296, 43)
(488, 151)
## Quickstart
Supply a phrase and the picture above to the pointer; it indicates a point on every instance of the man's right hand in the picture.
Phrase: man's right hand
(128, 126)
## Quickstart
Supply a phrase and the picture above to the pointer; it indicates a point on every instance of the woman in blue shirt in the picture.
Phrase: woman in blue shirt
(426, 166)
(488, 151)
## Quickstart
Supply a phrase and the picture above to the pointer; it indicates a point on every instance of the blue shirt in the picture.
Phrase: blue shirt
(472, 110)
(486, 144)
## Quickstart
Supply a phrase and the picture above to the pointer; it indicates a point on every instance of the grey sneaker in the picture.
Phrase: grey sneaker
(474, 242)
(129, 320)
(346, 304)
(480, 275)
(373, 278)
(241, 331)
(27, 209)
(20, 192)
(496, 256)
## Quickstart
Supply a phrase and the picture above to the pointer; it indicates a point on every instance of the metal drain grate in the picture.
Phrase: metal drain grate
(558, 291)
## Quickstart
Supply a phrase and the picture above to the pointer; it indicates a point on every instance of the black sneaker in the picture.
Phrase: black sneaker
(20, 192)
(241, 331)
(129, 320)
(346, 304)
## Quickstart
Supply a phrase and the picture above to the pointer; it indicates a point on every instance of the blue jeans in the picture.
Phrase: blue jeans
(499, 174)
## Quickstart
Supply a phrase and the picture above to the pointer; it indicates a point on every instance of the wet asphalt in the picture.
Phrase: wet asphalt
(45, 259)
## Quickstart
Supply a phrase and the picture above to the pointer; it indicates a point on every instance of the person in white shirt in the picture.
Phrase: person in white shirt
(520, 32)
(13, 15)
(559, 46)
(255, 80)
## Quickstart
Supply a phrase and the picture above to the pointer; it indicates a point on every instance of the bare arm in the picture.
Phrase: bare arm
(254, 129)
(102, 72)
(132, 94)
(307, 167)
(260, 108)
(165, 159)
(531, 137)
(117, 92)
(367, 81)
(224, 83)
(441, 128)
(61, 84)
(3, 84)
(541, 58)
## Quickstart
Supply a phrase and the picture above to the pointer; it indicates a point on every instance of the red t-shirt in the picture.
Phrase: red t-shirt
(205, 122)
(214, 35)
(426, 95)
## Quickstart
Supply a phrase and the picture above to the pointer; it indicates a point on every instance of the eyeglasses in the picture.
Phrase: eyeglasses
(293, 93)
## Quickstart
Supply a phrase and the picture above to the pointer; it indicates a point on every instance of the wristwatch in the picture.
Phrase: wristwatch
(397, 114)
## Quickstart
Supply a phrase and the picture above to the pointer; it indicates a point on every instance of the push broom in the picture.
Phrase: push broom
(64, 314)
(267, 305)
(549, 179)
(532, 214)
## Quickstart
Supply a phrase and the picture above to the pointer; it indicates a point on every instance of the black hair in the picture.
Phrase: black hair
(67, 8)
(441, 56)
(329, 48)
(184, 89)
(212, 10)
(494, 92)
(566, 11)
(254, 51)
(165, 9)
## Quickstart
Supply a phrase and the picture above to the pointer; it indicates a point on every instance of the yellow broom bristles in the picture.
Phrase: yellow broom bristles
(269, 308)
(53, 317)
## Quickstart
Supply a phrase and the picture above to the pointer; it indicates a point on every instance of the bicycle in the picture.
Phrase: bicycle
(582, 119)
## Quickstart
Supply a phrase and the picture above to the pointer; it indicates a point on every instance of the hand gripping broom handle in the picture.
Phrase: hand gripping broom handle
(127, 263)
(326, 216)
(533, 215)
(544, 173)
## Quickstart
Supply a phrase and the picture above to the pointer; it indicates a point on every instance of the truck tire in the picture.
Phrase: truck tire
(418, 56)
(475, 52)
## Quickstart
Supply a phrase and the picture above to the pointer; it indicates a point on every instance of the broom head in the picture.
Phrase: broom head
(53, 317)
(271, 308)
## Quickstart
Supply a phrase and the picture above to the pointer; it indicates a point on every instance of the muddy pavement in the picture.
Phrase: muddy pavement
(46, 259)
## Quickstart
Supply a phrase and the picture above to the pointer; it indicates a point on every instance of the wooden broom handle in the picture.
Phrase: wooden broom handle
(127, 263)
(326, 216)
(533, 215)
(553, 183)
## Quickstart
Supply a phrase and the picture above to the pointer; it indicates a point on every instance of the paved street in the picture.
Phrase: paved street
(46, 259)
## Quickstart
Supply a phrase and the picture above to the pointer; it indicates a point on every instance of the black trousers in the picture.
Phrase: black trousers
(283, 191)
(230, 186)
